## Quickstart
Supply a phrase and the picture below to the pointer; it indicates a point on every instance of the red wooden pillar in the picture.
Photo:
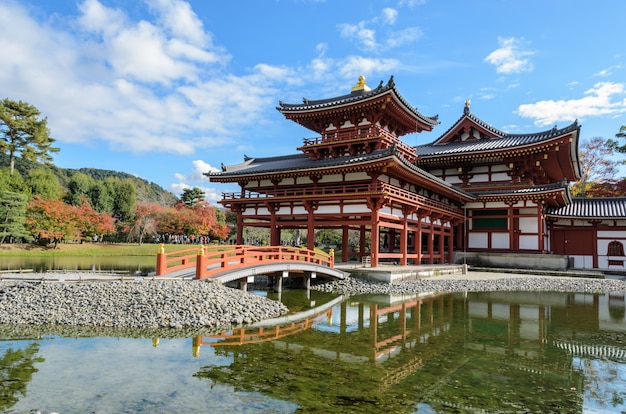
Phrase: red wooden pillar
(431, 241)
(375, 242)
(404, 237)
(345, 246)
(451, 244)
(362, 243)
(240, 228)
(418, 242)
(540, 224)
(442, 253)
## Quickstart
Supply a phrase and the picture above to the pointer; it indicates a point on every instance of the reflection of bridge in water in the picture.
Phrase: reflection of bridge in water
(269, 329)
(241, 263)
(442, 350)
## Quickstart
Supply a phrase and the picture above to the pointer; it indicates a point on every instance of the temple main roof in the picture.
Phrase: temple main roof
(591, 209)
(361, 94)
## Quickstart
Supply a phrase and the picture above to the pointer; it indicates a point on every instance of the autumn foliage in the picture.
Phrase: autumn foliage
(51, 221)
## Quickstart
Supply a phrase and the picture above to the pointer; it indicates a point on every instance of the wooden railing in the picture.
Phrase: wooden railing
(349, 189)
(212, 260)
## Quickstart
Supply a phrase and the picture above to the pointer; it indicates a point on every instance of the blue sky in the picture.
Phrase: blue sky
(169, 89)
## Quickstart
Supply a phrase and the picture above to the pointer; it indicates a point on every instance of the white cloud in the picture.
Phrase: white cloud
(389, 16)
(365, 36)
(411, 3)
(510, 57)
(608, 71)
(197, 179)
(359, 33)
(402, 37)
(599, 100)
(359, 65)
(140, 86)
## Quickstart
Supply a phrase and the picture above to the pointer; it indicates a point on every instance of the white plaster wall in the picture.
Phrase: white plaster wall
(480, 178)
(266, 183)
(252, 212)
(612, 234)
(478, 241)
(357, 176)
(583, 262)
(328, 210)
(331, 178)
(304, 180)
(453, 179)
(528, 211)
(356, 208)
(500, 241)
(500, 177)
(299, 210)
(528, 225)
(528, 242)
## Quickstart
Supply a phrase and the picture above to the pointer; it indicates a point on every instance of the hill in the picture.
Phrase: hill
(146, 191)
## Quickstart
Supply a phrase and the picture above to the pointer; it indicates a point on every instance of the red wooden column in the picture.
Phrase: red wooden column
(362, 242)
(345, 246)
(239, 227)
(451, 243)
(442, 235)
(375, 242)
(404, 238)
(540, 224)
(310, 207)
(431, 240)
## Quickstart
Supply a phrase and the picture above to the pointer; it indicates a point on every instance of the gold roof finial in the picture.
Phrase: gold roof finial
(360, 85)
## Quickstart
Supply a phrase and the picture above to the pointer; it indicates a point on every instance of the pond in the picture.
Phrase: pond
(121, 264)
(423, 353)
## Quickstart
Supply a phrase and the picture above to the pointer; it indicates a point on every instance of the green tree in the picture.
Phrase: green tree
(13, 216)
(78, 188)
(614, 145)
(124, 199)
(101, 198)
(13, 182)
(44, 182)
(23, 134)
(191, 196)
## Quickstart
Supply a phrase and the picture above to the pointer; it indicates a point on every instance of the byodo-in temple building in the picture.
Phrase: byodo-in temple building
(475, 194)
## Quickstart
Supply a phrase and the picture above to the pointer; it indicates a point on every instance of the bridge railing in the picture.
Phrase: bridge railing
(212, 260)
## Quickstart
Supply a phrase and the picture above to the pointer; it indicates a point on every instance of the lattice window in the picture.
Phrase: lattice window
(615, 249)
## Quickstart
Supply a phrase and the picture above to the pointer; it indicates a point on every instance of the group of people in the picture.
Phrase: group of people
(181, 239)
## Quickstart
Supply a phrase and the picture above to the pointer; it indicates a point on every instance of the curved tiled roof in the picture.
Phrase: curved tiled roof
(591, 208)
(355, 96)
(293, 162)
(493, 144)
(537, 189)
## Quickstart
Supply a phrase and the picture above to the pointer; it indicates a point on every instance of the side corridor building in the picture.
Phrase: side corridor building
(474, 190)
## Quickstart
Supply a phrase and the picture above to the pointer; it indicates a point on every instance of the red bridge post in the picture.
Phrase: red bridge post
(161, 265)
(201, 263)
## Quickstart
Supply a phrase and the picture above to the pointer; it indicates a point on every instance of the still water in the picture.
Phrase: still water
(122, 264)
(426, 353)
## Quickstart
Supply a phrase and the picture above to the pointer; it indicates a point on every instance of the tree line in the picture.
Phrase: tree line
(42, 203)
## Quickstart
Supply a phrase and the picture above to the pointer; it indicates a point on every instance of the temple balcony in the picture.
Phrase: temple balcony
(354, 141)
(393, 194)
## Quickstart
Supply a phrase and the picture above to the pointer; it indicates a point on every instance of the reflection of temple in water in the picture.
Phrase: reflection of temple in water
(525, 352)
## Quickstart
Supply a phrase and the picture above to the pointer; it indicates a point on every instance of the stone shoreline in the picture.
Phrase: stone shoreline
(526, 283)
(182, 304)
(132, 304)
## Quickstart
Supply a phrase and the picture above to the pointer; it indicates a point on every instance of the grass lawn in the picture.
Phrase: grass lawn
(89, 249)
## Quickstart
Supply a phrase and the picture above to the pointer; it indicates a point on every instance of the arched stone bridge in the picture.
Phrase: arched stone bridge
(227, 263)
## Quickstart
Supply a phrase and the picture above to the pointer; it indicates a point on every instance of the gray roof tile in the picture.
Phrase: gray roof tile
(591, 208)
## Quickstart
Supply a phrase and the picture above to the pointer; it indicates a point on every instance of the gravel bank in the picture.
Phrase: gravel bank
(132, 304)
(355, 286)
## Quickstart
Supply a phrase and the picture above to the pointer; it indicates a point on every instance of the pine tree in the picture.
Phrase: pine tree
(13, 216)
(23, 134)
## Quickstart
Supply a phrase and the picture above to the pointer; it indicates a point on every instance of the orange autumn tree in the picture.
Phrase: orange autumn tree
(199, 219)
(145, 221)
(52, 221)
